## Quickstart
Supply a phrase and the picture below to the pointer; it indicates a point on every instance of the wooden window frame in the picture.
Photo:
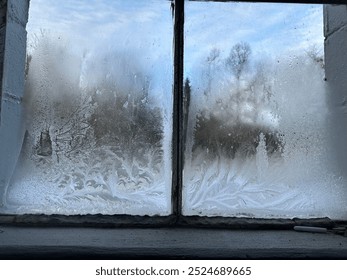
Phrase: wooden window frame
(176, 219)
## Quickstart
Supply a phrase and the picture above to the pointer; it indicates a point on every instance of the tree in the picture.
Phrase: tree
(112, 108)
(211, 65)
(123, 118)
(238, 59)
(237, 62)
(231, 123)
(259, 90)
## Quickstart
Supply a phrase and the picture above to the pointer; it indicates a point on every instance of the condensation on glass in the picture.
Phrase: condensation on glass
(98, 109)
(258, 141)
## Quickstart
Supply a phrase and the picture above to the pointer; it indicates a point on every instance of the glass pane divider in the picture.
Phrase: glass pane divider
(177, 139)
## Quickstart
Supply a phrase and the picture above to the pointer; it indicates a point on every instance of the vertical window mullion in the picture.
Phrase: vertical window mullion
(177, 139)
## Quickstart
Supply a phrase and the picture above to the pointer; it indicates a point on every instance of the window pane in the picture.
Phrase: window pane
(258, 141)
(98, 105)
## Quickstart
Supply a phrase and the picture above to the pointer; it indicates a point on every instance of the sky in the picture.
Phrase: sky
(272, 30)
(145, 28)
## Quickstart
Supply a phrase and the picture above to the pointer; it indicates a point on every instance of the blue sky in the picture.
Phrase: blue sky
(145, 28)
(103, 22)
(272, 30)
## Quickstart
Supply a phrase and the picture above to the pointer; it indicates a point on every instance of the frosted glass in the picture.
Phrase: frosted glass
(257, 135)
(98, 110)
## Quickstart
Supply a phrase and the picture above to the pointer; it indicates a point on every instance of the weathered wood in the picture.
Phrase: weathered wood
(87, 243)
(121, 221)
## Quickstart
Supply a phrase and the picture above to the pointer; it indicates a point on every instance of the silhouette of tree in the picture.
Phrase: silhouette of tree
(238, 59)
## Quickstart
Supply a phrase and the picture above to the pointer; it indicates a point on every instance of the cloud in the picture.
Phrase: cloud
(143, 27)
(271, 29)
(146, 25)
(102, 19)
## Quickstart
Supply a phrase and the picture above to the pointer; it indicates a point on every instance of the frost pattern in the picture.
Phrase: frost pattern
(98, 139)
(297, 181)
(278, 165)
(100, 180)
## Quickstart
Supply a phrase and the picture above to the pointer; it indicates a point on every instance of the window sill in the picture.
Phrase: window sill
(169, 243)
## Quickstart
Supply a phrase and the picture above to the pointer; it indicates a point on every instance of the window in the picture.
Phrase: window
(259, 129)
(116, 125)
(99, 105)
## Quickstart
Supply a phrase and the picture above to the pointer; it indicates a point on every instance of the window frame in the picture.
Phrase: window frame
(176, 219)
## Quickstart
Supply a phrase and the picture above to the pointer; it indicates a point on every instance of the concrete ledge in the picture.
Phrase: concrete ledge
(18, 12)
(335, 17)
(169, 243)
